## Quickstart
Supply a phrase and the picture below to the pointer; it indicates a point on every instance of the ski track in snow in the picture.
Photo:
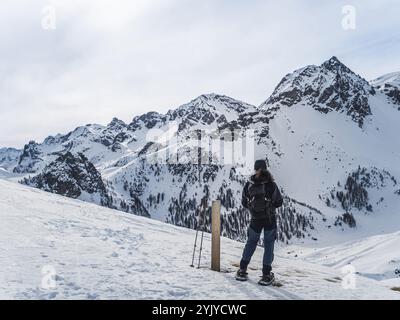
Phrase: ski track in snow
(98, 253)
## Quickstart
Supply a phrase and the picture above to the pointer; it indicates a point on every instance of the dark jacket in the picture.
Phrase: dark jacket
(272, 192)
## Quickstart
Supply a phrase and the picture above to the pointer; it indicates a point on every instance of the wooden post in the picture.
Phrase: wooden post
(216, 236)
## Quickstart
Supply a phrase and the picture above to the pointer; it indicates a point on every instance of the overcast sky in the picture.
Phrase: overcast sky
(108, 59)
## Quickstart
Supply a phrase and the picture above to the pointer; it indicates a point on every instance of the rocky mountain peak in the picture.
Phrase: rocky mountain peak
(334, 64)
(147, 120)
(218, 102)
(209, 110)
(332, 86)
(117, 124)
(28, 159)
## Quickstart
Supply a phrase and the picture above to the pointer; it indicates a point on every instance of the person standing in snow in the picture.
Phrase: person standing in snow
(261, 196)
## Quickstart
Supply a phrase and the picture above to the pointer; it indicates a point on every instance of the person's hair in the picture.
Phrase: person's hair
(268, 174)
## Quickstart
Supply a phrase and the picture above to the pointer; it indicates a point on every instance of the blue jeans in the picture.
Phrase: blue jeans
(251, 245)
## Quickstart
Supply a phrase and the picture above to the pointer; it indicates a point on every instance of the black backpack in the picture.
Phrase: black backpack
(259, 205)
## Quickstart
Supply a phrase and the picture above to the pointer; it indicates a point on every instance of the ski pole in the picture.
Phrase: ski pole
(201, 247)
(195, 241)
(194, 248)
(203, 227)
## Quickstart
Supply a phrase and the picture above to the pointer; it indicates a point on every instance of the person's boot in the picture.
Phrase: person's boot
(241, 275)
(267, 279)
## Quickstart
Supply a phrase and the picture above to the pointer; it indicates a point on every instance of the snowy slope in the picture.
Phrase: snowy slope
(327, 149)
(389, 84)
(392, 78)
(98, 253)
(375, 257)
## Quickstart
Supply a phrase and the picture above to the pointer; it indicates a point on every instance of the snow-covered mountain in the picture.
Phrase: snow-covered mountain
(9, 158)
(72, 176)
(390, 85)
(326, 133)
(342, 157)
(329, 87)
(60, 248)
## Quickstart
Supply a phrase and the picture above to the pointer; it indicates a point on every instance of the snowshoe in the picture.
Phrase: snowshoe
(267, 279)
(241, 275)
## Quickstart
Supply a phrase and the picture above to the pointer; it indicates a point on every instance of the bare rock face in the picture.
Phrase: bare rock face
(73, 176)
(29, 159)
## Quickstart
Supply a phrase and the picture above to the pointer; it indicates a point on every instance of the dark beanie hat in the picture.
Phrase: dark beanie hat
(260, 164)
